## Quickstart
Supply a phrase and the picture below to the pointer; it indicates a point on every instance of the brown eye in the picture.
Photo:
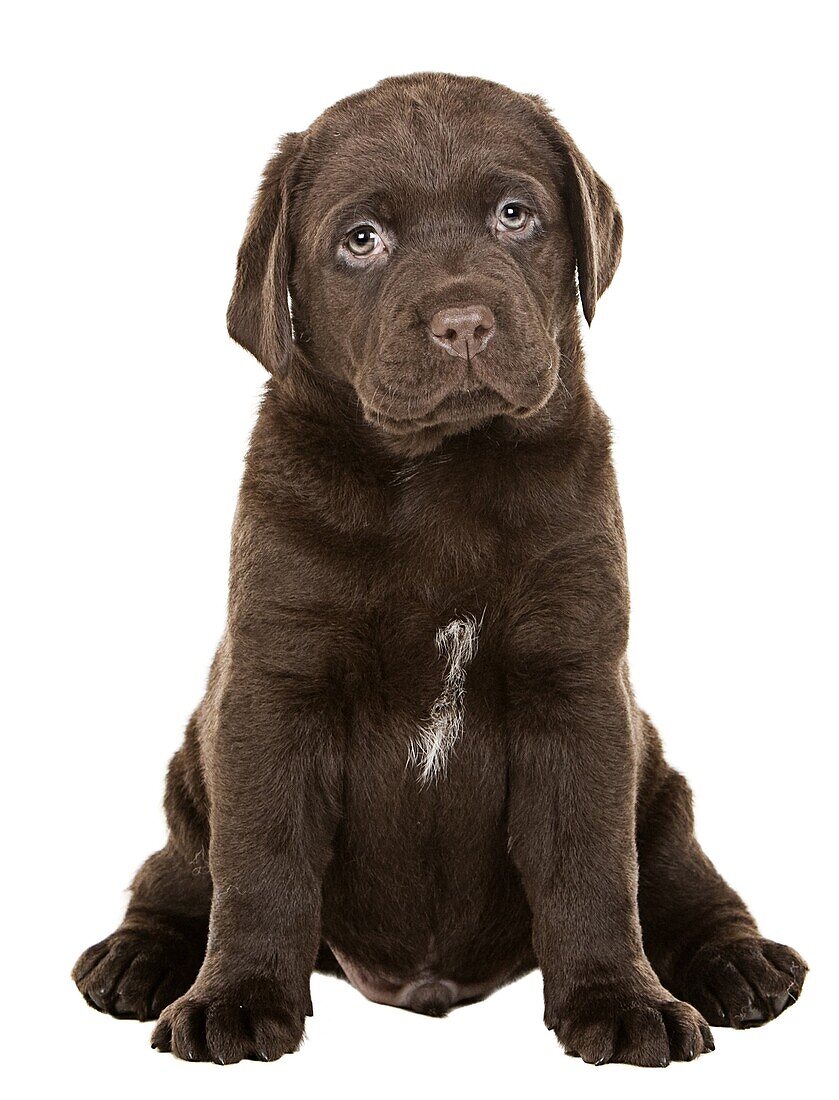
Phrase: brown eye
(364, 241)
(513, 216)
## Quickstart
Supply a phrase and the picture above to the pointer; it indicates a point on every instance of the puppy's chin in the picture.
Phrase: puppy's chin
(457, 413)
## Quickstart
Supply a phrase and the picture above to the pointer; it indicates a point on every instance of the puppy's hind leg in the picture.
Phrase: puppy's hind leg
(698, 934)
(155, 954)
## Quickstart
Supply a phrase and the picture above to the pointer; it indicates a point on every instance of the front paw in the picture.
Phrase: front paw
(615, 1025)
(744, 983)
(248, 1019)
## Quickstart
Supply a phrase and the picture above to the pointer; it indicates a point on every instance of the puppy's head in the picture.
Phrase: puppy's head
(427, 232)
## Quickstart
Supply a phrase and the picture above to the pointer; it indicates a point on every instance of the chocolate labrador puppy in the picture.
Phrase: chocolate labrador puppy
(419, 762)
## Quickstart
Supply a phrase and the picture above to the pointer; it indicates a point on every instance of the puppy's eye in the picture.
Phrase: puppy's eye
(364, 241)
(513, 217)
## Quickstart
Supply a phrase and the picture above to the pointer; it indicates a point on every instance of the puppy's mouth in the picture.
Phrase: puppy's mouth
(463, 407)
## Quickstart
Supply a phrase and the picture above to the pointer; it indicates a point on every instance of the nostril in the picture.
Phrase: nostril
(450, 334)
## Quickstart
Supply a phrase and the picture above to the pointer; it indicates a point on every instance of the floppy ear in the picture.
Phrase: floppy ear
(258, 316)
(596, 223)
(596, 226)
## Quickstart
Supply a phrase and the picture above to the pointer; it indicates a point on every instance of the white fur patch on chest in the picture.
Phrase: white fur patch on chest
(457, 643)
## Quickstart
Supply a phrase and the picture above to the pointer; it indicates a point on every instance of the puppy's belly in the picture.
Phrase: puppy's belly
(422, 907)
(421, 904)
(428, 993)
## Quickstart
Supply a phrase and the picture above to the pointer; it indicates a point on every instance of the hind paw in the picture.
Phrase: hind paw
(743, 984)
(134, 975)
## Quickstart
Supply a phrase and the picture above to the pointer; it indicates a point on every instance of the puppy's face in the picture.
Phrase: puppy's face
(430, 237)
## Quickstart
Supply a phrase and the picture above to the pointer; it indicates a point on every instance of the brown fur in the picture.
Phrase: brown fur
(379, 504)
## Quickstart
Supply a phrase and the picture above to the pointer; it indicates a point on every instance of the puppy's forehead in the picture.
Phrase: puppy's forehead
(425, 138)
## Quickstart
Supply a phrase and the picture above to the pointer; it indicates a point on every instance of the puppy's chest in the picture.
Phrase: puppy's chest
(426, 682)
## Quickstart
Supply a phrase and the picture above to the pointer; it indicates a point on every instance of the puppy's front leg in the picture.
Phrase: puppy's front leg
(572, 836)
(273, 766)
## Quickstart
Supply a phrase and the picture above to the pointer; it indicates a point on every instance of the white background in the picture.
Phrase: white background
(134, 138)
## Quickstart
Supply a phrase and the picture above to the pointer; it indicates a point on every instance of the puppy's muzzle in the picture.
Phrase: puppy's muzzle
(462, 331)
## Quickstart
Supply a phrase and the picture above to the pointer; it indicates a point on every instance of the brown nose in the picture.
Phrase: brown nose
(462, 330)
